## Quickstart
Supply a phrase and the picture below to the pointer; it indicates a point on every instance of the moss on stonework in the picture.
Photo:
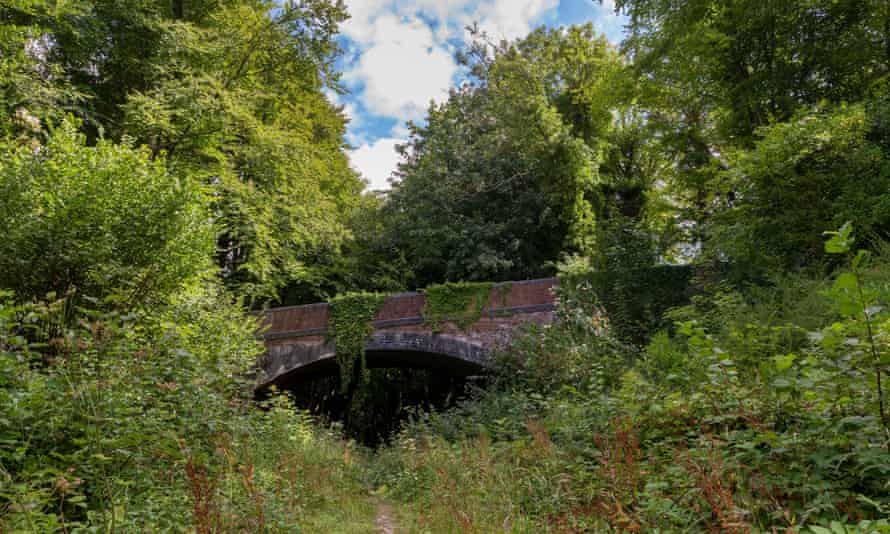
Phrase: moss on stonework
(504, 289)
(460, 302)
(352, 315)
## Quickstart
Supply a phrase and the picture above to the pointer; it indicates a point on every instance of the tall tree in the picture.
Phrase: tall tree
(719, 78)
(231, 93)
(753, 62)
(501, 179)
(804, 177)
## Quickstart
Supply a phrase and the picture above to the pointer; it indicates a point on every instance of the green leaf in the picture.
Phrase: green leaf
(838, 528)
(782, 384)
(846, 282)
(784, 361)
(861, 257)
(841, 241)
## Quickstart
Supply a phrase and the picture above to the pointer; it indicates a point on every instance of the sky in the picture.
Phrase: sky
(399, 56)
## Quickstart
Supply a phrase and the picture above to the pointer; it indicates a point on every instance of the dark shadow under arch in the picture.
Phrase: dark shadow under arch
(287, 365)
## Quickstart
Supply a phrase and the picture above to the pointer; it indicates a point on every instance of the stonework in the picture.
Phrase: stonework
(297, 347)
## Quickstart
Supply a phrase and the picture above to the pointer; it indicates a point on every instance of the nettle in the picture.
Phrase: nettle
(827, 444)
(859, 342)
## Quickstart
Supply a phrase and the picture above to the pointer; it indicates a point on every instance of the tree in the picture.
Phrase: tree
(718, 79)
(369, 260)
(102, 220)
(805, 177)
(753, 62)
(231, 94)
(500, 181)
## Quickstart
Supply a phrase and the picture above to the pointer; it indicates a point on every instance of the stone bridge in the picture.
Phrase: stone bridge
(296, 336)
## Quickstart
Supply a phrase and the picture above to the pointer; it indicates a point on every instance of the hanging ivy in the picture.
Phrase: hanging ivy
(504, 289)
(351, 318)
(461, 302)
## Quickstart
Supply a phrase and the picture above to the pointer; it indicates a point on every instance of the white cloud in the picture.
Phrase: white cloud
(509, 19)
(360, 27)
(441, 10)
(609, 22)
(401, 131)
(402, 68)
(402, 62)
(399, 61)
(376, 161)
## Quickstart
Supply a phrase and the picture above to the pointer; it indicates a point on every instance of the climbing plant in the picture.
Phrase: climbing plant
(504, 289)
(351, 316)
(635, 299)
(461, 302)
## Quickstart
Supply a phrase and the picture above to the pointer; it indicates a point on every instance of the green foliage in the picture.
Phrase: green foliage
(32, 88)
(633, 298)
(351, 318)
(864, 312)
(231, 95)
(128, 423)
(484, 196)
(804, 177)
(367, 263)
(758, 409)
(747, 63)
(730, 136)
(460, 302)
(583, 353)
(236, 98)
(100, 220)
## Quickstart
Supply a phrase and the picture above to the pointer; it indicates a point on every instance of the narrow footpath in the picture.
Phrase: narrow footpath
(385, 522)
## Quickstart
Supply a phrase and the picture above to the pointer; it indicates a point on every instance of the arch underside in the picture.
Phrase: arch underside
(454, 356)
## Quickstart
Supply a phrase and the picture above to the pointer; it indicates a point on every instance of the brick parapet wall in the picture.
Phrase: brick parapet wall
(296, 336)
(405, 310)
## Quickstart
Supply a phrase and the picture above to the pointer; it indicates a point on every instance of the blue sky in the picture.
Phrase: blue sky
(399, 55)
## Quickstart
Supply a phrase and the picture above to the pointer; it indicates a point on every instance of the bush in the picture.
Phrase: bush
(135, 423)
(101, 220)
(755, 409)
(805, 177)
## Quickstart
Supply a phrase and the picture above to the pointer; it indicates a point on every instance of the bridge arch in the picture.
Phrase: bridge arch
(450, 354)
(297, 346)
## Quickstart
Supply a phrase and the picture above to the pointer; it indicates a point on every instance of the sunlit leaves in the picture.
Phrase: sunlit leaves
(840, 242)
(231, 94)
(99, 220)
(502, 178)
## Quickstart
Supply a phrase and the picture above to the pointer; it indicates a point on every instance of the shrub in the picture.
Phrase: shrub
(102, 220)
(804, 177)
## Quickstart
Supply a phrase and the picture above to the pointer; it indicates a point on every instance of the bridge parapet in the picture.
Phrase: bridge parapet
(296, 335)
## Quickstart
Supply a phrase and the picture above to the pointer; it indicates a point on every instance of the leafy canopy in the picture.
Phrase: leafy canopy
(498, 182)
(231, 94)
(98, 219)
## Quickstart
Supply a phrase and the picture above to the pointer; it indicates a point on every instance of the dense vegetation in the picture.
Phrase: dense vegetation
(714, 195)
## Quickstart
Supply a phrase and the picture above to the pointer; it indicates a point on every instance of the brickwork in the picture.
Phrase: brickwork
(296, 336)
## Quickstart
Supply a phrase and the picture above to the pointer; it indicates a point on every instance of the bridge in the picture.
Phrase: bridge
(298, 348)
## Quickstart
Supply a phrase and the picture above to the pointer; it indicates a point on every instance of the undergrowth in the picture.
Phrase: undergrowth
(123, 421)
(756, 409)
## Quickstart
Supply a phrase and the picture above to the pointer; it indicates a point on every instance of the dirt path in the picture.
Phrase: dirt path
(385, 522)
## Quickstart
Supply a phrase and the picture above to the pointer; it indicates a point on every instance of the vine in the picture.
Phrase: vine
(351, 317)
(461, 302)
(504, 289)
